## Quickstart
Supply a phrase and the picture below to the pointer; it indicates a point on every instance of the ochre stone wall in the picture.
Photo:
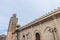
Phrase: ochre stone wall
(44, 34)
(48, 29)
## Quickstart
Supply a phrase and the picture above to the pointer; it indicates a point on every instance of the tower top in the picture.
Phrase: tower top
(14, 18)
(14, 15)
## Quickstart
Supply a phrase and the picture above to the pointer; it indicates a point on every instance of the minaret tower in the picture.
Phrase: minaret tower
(12, 26)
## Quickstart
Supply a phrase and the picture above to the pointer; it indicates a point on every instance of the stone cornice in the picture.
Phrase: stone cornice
(49, 14)
(55, 11)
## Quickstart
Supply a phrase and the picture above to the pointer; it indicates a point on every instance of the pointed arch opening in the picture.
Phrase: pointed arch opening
(37, 36)
(23, 37)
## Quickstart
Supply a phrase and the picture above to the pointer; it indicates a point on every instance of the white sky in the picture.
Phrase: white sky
(26, 10)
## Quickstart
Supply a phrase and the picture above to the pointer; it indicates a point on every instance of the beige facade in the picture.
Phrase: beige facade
(46, 27)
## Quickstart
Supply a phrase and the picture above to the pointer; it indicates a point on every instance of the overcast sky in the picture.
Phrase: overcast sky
(26, 10)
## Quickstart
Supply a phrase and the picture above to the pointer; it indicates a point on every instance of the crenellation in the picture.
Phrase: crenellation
(55, 9)
(58, 8)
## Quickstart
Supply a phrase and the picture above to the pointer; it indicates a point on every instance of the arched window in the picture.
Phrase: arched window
(37, 35)
(23, 37)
